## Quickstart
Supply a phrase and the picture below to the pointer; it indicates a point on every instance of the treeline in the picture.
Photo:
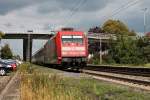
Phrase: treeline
(6, 53)
(113, 27)
(127, 48)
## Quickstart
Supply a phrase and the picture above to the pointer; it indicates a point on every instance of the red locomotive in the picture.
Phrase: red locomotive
(67, 48)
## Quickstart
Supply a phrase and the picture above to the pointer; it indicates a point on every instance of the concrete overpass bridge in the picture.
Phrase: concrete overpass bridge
(27, 41)
(101, 36)
(94, 39)
(99, 42)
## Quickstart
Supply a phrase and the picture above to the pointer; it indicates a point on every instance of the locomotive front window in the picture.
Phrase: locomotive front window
(72, 39)
(78, 39)
(66, 39)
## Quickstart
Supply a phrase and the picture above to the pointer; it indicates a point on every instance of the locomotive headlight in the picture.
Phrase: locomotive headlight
(64, 53)
(73, 48)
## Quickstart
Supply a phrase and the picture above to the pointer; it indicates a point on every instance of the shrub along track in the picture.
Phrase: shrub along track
(137, 78)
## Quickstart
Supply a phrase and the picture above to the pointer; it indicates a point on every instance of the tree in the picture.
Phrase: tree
(132, 33)
(96, 30)
(1, 34)
(126, 50)
(6, 52)
(117, 27)
(17, 57)
(143, 45)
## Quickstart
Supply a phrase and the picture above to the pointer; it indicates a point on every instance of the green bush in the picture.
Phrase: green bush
(26, 68)
(108, 60)
(128, 50)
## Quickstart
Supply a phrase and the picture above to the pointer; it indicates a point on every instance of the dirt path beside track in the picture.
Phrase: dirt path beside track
(3, 82)
(11, 91)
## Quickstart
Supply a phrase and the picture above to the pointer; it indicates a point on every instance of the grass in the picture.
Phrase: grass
(108, 91)
(147, 65)
(43, 84)
(42, 87)
(36, 85)
(44, 69)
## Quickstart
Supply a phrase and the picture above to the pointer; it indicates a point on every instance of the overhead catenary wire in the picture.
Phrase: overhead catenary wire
(74, 11)
(116, 12)
(77, 7)
(123, 7)
(67, 13)
(130, 5)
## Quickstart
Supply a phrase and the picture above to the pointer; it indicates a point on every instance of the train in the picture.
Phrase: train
(67, 49)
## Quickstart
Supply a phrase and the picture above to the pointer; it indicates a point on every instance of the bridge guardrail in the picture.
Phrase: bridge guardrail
(101, 36)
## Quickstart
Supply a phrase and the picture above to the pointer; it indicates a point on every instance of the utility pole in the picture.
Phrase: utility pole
(145, 9)
(100, 45)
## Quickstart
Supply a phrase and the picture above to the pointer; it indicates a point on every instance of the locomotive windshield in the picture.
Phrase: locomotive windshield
(72, 39)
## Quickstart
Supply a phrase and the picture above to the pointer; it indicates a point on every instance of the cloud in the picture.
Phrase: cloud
(45, 15)
(7, 6)
(78, 13)
(72, 5)
(9, 25)
(145, 3)
(48, 6)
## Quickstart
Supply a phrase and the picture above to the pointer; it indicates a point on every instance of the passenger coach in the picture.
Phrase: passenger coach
(67, 48)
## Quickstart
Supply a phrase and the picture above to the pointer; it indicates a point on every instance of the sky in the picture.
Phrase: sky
(42, 16)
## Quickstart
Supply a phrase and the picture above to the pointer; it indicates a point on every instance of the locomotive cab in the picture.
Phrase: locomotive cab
(73, 50)
(67, 48)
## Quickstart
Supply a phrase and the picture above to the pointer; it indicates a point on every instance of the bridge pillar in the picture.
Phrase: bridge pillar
(25, 41)
(27, 49)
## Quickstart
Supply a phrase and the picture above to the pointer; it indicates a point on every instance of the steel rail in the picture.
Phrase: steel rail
(121, 70)
(138, 83)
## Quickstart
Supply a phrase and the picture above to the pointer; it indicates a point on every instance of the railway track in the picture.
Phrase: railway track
(137, 78)
(120, 70)
(121, 75)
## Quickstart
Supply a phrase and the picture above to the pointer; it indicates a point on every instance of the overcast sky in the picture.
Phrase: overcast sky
(46, 15)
